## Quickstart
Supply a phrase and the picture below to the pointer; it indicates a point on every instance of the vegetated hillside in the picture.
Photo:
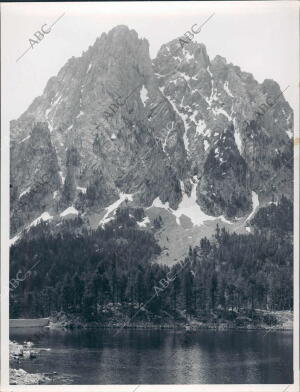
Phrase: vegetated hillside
(90, 274)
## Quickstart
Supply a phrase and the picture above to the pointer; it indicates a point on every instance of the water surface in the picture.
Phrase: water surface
(103, 356)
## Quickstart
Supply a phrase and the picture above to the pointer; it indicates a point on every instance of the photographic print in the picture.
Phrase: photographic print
(149, 168)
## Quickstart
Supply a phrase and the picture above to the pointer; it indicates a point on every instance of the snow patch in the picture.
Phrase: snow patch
(89, 67)
(206, 145)
(200, 127)
(69, 211)
(184, 76)
(255, 205)
(24, 192)
(177, 58)
(290, 133)
(81, 113)
(25, 138)
(82, 189)
(224, 220)
(213, 95)
(187, 55)
(193, 116)
(169, 131)
(144, 94)
(144, 222)
(238, 140)
(207, 133)
(159, 204)
(56, 101)
(113, 207)
(62, 177)
(226, 88)
(47, 112)
(218, 111)
(184, 119)
(42, 218)
(13, 240)
(189, 207)
(50, 126)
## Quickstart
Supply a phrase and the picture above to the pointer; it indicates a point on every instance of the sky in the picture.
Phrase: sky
(260, 37)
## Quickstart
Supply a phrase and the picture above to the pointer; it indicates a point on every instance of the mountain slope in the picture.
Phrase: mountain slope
(210, 96)
(179, 133)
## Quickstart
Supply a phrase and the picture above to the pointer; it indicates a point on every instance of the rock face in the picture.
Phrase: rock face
(113, 123)
(34, 175)
(236, 131)
(225, 186)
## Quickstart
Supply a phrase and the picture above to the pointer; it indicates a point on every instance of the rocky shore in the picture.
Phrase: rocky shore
(21, 377)
(261, 320)
(18, 376)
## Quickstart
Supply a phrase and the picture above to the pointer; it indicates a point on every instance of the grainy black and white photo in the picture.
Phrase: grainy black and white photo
(150, 186)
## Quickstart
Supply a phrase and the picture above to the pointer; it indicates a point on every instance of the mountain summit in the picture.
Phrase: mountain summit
(180, 134)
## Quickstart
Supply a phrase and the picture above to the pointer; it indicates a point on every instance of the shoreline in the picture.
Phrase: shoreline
(277, 321)
(17, 375)
(170, 327)
(61, 321)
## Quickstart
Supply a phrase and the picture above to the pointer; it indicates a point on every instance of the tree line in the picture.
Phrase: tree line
(82, 271)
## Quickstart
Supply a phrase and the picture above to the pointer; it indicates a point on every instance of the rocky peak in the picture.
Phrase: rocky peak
(117, 123)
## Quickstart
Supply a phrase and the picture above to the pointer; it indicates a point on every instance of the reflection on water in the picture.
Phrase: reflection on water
(100, 356)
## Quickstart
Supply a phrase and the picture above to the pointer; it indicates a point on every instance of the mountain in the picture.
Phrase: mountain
(179, 136)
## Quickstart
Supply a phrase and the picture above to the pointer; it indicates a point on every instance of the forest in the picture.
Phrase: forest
(83, 272)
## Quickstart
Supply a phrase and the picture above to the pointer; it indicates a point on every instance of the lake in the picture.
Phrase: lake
(103, 356)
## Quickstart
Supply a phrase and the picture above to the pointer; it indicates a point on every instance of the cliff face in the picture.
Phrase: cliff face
(236, 131)
(34, 176)
(113, 125)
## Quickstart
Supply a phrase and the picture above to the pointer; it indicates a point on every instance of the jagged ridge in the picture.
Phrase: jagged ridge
(93, 159)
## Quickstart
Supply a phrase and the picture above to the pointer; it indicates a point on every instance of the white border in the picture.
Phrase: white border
(5, 387)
